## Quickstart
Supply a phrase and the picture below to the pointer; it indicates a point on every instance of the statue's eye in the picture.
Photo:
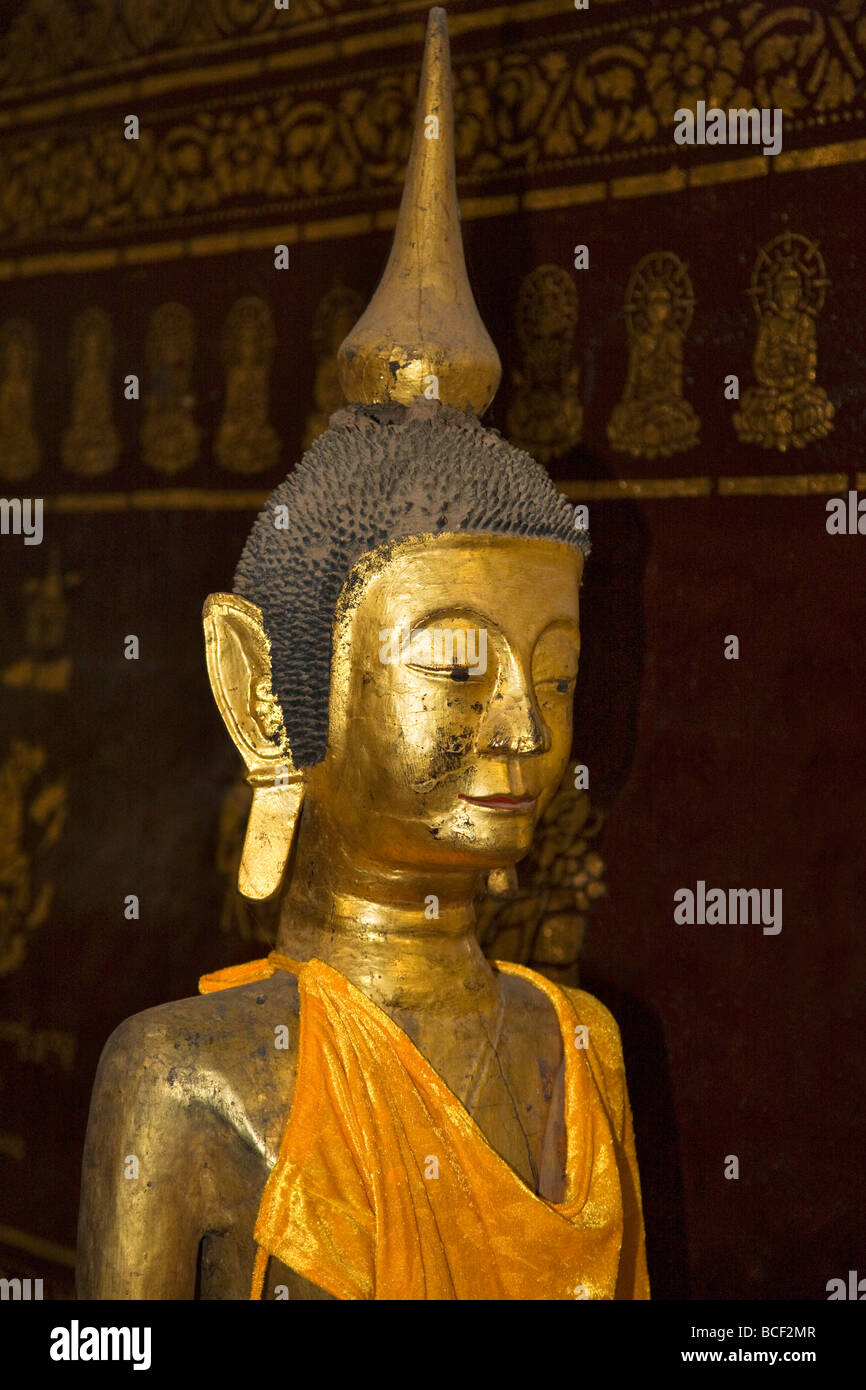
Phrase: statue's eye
(555, 662)
(454, 673)
(557, 685)
(451, 648)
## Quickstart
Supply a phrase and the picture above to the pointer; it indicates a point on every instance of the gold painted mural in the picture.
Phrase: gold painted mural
(20, 453)
(91, 442)
(45, 667)
(594, 95)
(653, 419)
(787, 409)
(169, 434)
(545, 417)
(33, 793)
(245, 441)
(32, 815)
(49, 40)
(336, 314)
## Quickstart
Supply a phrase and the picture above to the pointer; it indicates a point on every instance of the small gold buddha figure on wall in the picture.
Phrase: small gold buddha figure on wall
(787, 409)
(653, 419)
(375, 1110)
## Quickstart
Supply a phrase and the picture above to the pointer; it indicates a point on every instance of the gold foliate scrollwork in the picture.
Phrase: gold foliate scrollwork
(19, 447)
(246, 442)
(91, 444)
(47, 40)
(653, 420)
(786, 409)
(169, 435)
(545, 417)
(582, 96)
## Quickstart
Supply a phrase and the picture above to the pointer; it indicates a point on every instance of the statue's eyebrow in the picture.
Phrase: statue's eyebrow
(566, 625)
(454, 610)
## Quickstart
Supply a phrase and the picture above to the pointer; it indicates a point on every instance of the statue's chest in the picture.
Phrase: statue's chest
(513, 1092)
(512, 1087)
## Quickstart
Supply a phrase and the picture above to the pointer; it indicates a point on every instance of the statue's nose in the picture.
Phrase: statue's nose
(512, 722)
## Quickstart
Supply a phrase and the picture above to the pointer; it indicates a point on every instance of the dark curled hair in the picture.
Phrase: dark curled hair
(378, 474)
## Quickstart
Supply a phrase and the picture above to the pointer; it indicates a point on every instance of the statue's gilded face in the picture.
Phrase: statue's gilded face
(451, 702)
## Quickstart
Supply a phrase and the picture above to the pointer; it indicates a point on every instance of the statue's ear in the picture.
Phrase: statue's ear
(239, 667)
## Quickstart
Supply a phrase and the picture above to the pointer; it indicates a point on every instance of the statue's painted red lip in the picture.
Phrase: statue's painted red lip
(502, 803)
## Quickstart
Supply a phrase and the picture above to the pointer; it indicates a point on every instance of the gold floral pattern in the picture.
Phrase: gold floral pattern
(51, 37)
(48, 38)
(587, 97)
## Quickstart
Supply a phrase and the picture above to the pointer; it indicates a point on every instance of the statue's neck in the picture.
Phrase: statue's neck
(379, 928)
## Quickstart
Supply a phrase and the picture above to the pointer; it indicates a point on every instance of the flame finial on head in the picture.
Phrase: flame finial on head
(422, 321)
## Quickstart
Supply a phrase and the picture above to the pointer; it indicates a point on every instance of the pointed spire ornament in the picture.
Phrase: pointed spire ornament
(421, 334)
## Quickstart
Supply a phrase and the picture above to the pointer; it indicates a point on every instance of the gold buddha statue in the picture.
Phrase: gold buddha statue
(375, 1110)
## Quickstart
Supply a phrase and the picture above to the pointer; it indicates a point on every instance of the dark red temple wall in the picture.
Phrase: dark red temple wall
(746, 773)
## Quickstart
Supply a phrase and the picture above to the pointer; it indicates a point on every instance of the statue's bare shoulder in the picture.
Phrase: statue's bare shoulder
(188, 1109)
(220, 1052)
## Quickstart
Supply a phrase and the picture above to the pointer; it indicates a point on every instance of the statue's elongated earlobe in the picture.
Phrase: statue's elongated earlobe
(239, 667)
(268, 841)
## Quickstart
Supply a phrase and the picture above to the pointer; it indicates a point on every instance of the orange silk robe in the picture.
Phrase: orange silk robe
(353, 1205)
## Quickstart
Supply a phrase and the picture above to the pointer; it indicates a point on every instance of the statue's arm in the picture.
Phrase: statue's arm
(632, 1280)
(139, 1221)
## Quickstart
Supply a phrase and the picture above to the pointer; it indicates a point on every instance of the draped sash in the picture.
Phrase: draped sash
(386, 1188)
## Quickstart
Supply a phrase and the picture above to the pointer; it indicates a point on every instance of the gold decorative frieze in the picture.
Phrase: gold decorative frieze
(50, 38)
(590, 97)
(237, 499)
